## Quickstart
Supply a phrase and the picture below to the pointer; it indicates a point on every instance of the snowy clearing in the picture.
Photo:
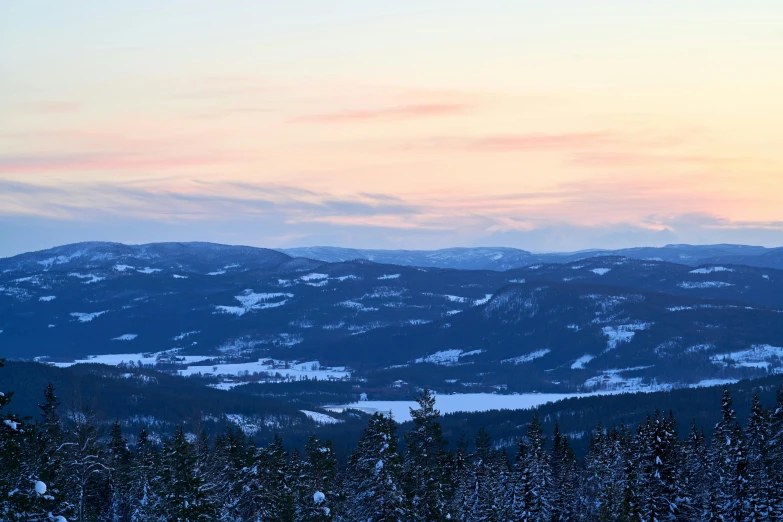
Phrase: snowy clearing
(526, 358)
(389, 276)
(711, 269)
(87, 317)
(47, 298)
(125, 337)
(113, 359)
(690, 285)
(251, 301)
(309, 370)
(446, 357)
(579, 364)
(321, 418)
(148, 270)
(622, 333)
(601, 271)
(313, 277)
(90, 278)
(758, 356)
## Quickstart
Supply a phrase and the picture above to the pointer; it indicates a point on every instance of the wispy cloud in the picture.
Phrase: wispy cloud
(386, 113)
(54, 163)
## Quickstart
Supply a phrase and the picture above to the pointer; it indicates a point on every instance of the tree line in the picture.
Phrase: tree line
(55, 469)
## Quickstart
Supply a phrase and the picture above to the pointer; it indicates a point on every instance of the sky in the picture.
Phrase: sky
(551, 125)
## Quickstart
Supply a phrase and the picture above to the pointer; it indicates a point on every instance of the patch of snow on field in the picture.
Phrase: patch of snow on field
(389, 276)
(313, 277)
(579, 364)
(125, 337)
(452, 312)
(184, 335)
(706, 383)
(711, 269)
(690, 285)
(601, 271)
(177, 276)
(47, 298)
(347, 277)
(122, 268)
(758, 356)
(321, 418)
(526, 358)
(310, 370)
(148, 270)
(251, 301)
(483, 300)
(459, 402)
(359, 307)
(518, 281)
(765, 276)
(622, 333)
(90, 278)
(444, 357)
(87, 317)
(114, 359)
(216, 272)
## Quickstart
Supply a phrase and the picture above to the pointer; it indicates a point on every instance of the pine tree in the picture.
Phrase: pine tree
(319, 495)
(728, 464)
(564, 478)
(757, 435)
(374, 474)
(142, 481)
(180, 485)
(775, 458)
(426, 463)
(119, 458)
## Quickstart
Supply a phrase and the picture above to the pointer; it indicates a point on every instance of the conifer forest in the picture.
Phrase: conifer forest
(68, 469)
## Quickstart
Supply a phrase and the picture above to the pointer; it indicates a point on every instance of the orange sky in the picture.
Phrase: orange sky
(545, 126)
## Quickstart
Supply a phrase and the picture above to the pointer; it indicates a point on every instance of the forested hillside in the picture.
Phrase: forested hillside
(70, 469)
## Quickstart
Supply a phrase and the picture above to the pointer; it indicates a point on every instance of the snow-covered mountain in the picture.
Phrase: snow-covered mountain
(503, 258)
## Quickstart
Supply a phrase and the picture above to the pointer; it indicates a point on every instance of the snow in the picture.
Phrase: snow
(706, 383)
(321, 418)
(59, 260)
(91, 278)
(518, 281)
(251, 301)
(125, 337)
(318, 497)
(184, 335)
(526, 358)
(148, 270)
(389, 276)
(690, 285)
(40, 487)
(711, 269)
(601, 271)
(446, 357)
(483, 300)
(47, 298)
(622, 333)
(313, 277)
(11, 424)
(347, 277)
(452, 312)
(177, 276)
(87, 317)
(765, 276)
(310, 370)
(359, 307)
(216, 272)
(758, 356)
(460, 402)
(579, 364)
(122, 268)
(113, 359)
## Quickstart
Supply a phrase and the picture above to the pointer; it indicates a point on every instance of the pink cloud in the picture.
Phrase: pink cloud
(397, 112)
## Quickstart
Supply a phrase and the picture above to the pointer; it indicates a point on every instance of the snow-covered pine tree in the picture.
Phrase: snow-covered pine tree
(564, 478)
(463, 478)
(319, 496)
(534, 493)
(426, 464)
(757, 435)
(144, 480)
(692, 475)
(119, 461)
(180, 486)
(728, 464)
(775, 459)
(373, 482)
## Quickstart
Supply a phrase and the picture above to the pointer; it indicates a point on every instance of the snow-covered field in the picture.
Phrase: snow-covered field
(321, 418)
(119, 358)
(309, 370)
(465, 402)
(526, 358)
(758, 356)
